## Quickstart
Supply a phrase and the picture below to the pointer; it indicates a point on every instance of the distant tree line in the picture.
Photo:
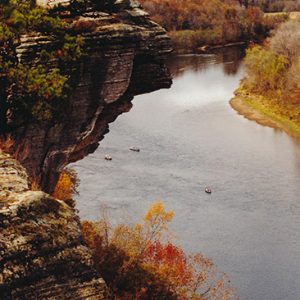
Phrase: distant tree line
(273, 5)
(195, 23)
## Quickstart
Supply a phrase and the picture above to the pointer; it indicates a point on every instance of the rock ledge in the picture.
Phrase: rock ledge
(42, 253)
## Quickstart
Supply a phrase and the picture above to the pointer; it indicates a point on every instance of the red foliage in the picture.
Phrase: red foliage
(171, 258)
(140, 262)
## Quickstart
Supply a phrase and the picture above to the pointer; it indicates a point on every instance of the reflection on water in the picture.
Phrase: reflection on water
(230, 59)
(189, 138)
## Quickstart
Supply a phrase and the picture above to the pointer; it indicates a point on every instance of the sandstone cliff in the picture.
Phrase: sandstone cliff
(125, 52)
(42, 255)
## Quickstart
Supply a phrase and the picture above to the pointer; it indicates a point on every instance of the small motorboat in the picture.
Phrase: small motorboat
(107, 157)
(208, 190)
(135, 149)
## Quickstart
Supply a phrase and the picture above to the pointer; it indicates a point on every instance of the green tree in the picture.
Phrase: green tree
(266, 70)
(36, 88)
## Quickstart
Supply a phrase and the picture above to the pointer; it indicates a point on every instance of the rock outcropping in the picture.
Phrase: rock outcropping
(42, 254)
(125, 57)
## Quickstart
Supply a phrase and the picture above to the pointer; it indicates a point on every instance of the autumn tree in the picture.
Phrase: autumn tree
(293, 76)
(66, 186)
(140, 261)
(272, 82)
(266, 70)
(286, 41)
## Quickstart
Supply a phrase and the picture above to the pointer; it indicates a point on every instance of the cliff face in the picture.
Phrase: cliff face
(125, 52)
(42, 255)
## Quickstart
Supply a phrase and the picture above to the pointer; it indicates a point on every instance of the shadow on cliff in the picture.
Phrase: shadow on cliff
(45, 148)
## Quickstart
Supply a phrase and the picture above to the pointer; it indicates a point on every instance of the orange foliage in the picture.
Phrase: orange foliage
(66, 185)
(125, 276)
(140, 262)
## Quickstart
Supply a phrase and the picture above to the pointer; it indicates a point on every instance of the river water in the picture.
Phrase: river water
(190, 138)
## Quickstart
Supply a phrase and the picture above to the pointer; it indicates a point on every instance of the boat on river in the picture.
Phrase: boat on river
(208, 190)
(135, 149)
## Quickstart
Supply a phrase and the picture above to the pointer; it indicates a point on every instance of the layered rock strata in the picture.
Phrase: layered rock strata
(125, 54)
(42, 254)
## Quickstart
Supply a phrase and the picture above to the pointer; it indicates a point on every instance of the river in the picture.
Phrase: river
(190, 138)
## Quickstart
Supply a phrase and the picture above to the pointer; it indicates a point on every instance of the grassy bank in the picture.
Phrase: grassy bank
(267, 112)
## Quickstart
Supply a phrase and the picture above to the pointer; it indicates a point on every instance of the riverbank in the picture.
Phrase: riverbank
(209, 48)
(252, 108)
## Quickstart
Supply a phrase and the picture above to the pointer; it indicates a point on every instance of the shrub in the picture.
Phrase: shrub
(36, 90)
(141, 262)
(66, 185)
(266, 70)
(40, 90)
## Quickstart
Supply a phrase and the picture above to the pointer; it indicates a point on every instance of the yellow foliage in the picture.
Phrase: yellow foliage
(158, 214)
(134, 239)
(156, 220)
(66, 185)
(63, 188)
(129, 239)
(90, 232)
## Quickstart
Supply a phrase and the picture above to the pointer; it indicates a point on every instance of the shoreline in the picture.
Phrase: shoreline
(208, 48)
(270, 119)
